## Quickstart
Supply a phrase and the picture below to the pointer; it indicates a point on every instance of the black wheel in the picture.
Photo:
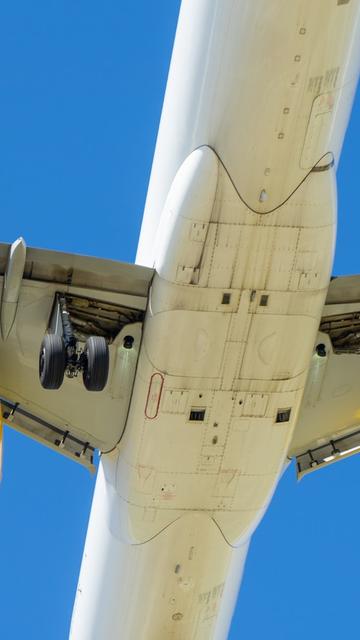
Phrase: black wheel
(52, 361)
(96, 368)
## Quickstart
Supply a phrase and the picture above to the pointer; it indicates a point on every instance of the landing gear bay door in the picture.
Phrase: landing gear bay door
(71, 328)
(328, 428)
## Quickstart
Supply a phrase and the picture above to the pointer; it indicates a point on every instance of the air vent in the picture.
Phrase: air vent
(197, 415)
(283, 415)
(226, 298)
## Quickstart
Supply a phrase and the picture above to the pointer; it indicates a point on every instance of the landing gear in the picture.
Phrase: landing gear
(52, 361)
(61, 353)
(96, 363)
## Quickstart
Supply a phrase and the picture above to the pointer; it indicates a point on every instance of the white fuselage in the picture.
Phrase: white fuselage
(240, 227)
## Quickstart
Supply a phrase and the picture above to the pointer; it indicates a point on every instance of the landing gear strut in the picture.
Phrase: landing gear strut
(61, 353)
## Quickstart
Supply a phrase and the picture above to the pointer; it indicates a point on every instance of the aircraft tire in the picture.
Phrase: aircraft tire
(52, 361)
(96, 369)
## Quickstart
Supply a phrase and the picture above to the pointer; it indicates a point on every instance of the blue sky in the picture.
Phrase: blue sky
(81, 89)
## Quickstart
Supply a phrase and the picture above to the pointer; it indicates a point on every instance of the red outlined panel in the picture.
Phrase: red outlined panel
(154, 395)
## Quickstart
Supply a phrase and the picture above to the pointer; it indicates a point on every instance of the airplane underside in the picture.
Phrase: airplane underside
(242, 253)
(209, 342)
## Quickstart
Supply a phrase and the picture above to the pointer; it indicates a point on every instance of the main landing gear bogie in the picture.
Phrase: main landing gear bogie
(54, 363)
(62, 354)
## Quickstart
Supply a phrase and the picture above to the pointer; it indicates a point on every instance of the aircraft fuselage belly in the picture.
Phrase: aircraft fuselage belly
(240, 226)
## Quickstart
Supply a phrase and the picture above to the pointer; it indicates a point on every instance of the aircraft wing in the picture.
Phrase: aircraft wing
(104, 298)
(328, 428)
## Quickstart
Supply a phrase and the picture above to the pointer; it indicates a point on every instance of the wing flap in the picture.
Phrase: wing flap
(328, 427)
(61, 440)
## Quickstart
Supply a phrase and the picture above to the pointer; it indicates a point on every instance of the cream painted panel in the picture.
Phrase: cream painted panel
(254, 257)
(174, 401)
(256, 451)
(171, 434)
(313, 204)
(170, 575)
(223, 62)
(196, 340)
(255, 404)
(244, 520)
(224, 256)
(282, 262)
(172, 494)
(319, 125)
(223, 92)
(313, 262)
(252, 493)
(168, 296)
(292, 303)
(272, 353)
(186, 215)
(240, 321)
(267, 255)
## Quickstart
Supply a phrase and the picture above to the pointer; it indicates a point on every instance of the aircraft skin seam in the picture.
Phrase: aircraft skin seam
(136, 372)
(314, 169)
